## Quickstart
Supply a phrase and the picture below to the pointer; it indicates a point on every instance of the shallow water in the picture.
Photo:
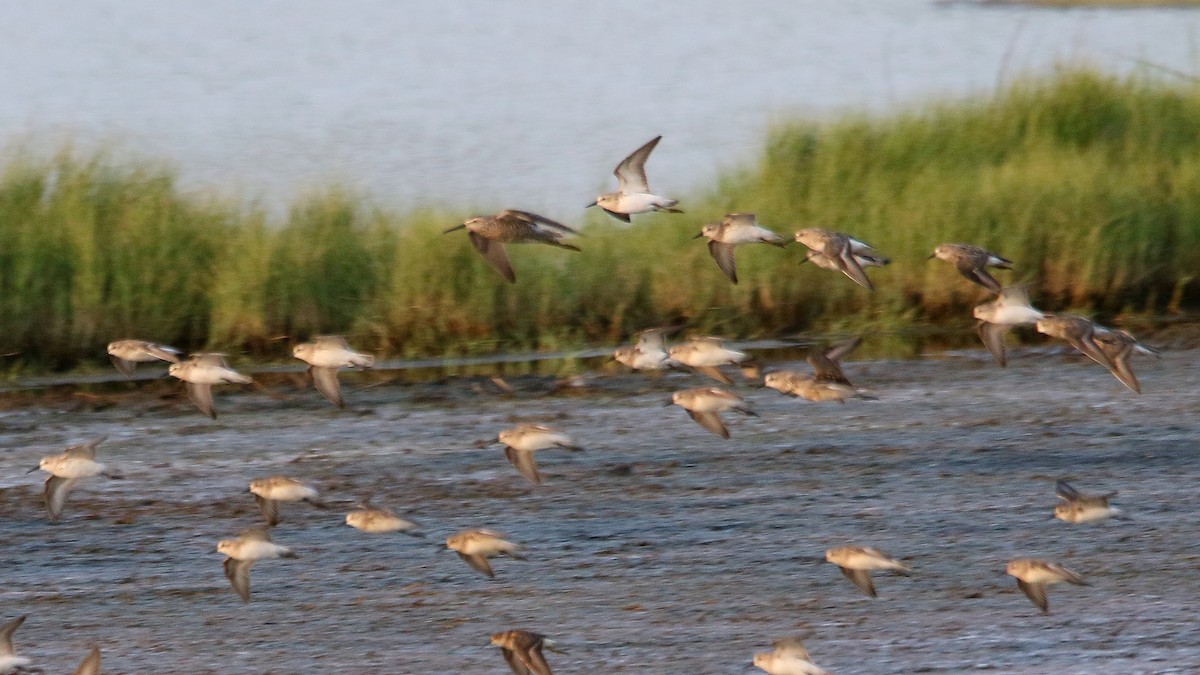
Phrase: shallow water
(660, 548)
(485, 105)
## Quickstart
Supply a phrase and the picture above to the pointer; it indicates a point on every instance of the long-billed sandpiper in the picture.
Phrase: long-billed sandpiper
(633, 190)
(735, 229)
(489, 234)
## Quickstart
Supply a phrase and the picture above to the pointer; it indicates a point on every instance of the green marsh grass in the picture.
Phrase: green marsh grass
(1090, 182)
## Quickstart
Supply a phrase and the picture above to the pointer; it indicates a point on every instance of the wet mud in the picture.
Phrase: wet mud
(659, 548)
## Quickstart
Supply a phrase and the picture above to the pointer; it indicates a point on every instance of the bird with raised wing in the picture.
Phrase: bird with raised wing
(826, 383)
(522, 651)
(790, 657)
(1033, 576)
(972, 262)
(705, 405)
(522, 441)
(9, 661)
(633, 193)
(66, 470)
(997, 317)
(1080, 508)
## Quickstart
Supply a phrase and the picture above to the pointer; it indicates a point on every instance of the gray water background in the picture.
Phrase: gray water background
(484, 105)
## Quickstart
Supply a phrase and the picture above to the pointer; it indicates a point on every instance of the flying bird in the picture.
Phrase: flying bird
(325, 355)
(1079, 508)
(840, 250)
(127, 354)
(972, 262)
(1033, 576)
(489, 234)
(249, 547)
(827, 382)
(998, 316)
(66, 470)
(633, 193)
(790, 657)
(200, 372)
(857, 562)
(521, 442)
(9, 661)
(704, 405)
(476, 546)
(522, 651)
(648, 353)
(268, 492)
(725, 236)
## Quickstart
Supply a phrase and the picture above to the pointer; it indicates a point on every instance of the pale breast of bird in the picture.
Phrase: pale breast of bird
(534, 438)
(282, 490)
(71, 467)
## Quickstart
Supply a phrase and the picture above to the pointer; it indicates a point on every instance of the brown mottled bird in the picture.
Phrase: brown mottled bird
(522, 651)
(489, 234)
(972, 262)
(1033, 576)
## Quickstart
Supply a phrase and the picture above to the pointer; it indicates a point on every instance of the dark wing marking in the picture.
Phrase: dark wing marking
(532, 658)
(723, 254)
(619, 216)
(1036, 593)
(238, 573)
(326, 381)
(493, 253)
(535, 218)
(992, 335)
(861, 578)
(201, 396)
(523, 461)
(269, 508)
(631, 172)
(478, 562)
(711, 421)
(1065, 491)
(980, 276)
(845, 260)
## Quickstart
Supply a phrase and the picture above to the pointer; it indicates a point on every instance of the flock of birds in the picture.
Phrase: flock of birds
(522, 649)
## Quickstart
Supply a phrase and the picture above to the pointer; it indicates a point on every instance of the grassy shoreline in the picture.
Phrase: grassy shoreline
(1090, 182)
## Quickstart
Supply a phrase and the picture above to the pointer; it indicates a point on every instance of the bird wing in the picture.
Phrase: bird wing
(861, 578)
(531, 657)
(631, 172)
(478, 562)
(715, 373)
(90, 664)
(836, 352)
(238, 573)
(269, 508)
(85, 450)
(493, 253)
(845, 260)
(826, 369)
(1065, 491)
(162, 352)
(1118, 357)
(992, 335)
(57, 489)
(711, 421)
(535, 219)
(792, 646)
(973, 269)
(126, 368)
(326, 381)
(1085, 342)
(514, 664)
(1036, 593)
(723, 254)
(6, 634)
(524, 463)
(201, 396)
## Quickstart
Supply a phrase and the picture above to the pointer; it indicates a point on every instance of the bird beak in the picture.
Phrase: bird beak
(931, 256)
(32, 470)
(698, 236)
(669, 402)
(590, 205)
(456, 227)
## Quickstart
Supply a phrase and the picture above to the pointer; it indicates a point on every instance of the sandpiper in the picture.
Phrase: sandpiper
(66, 470)
(997, 316)
(521, 442)
(1109, 347)
(841, 250)
(972, 262)
(476, 546)
(249, 547)
(324, 356)
(1033, 576)
(269, 491)
(200, 372)
(9, 661)
(489, 234)
(790, 657)
(704, 405)
(126, 354)
(648, 353)
(1118, 345)
(1079, 508)
(706, 355)
(735, 229)
(90, 664)
(377, 519)
(522, 651)
(827, 383)
(856, 562)
(633, 190)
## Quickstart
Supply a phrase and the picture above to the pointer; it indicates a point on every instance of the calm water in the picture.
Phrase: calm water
(489, 104)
